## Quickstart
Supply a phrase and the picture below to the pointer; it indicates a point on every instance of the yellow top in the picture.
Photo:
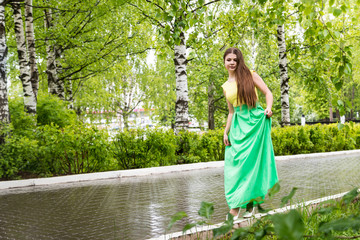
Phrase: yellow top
(230, 89)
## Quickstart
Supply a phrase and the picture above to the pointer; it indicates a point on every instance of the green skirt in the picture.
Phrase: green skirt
(249, 168)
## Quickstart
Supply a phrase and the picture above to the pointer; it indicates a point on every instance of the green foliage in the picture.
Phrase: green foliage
(55, 151)
(206, 211)
(52, 110)
(328, 220)
(76, 148)
(139, 148)
(315, 138)
(21, 122)
(289, 225)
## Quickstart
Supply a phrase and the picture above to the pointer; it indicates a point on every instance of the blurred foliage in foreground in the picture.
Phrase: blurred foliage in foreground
(333, 219)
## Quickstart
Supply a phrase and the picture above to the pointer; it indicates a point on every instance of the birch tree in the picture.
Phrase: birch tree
(4, 105)
(285, 109)
(54, 85)
(30, 40)
(83, 40)
(28, 94)
(172, 20)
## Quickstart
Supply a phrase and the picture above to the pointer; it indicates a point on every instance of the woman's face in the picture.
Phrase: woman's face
(231, 62)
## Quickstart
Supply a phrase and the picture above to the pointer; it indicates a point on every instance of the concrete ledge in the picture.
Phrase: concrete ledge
(318, 155)
(149, 171)
(195, 232)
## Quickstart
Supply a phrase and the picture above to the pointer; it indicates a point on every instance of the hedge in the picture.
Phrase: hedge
(77, 148)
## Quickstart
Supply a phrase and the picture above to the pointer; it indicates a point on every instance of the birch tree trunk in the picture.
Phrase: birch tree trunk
(285, 108)
(29, 97)
(51, 63)
(59, 84)
(211, 106)
(30, 39)
(4, 104)
(182, 99)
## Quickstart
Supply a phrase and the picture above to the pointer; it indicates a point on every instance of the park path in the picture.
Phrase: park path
(140, 208)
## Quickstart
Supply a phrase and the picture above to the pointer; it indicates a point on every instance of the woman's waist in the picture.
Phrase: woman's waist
(244, 107)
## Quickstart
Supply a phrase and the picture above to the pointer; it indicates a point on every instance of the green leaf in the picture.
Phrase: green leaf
(176, 217)
(261, 209)
(240, 233)
(262, 2)
(338, 85)
(340, 103)
(343, 8)
(340, 126)
(287, 198)
(188, 226)
(259, 234)
(350, 196)
(227, 227)
(325, 32)
(325, 211)
(236, 1)
(337, 12)
(275, 189)
(331, 2)
(341, 224)
(348, 103)
(289, 225)
(206, 210)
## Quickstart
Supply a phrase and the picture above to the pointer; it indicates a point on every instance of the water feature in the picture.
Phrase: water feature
(140, 208)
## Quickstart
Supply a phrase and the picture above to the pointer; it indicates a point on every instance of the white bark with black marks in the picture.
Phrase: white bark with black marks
(30, 39)
(60, 85)
(182, 99)
(285, 106)
(29, 97)
(4, 104)
(55, 86)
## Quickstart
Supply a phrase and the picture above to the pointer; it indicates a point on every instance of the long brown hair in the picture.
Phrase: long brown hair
(244, 81)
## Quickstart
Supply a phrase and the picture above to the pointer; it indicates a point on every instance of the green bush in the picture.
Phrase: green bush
(21, 122)
(315, 138)
(50, 109)
(139, 148)
(76, 148)
(55, 151)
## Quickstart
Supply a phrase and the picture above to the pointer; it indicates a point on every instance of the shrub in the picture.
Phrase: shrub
(21, 123)
(74, 148)
(50, 109)
(139, 148)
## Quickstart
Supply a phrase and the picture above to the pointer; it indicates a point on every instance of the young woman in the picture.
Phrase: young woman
(249, 170)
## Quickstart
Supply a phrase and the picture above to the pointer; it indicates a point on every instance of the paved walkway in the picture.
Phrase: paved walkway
(140, 208)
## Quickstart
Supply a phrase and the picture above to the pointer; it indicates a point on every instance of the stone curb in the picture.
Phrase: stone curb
(199, 229)
(148, 171)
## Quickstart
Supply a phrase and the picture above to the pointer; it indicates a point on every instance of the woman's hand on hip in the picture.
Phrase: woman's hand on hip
(268, 112)
(226, 140)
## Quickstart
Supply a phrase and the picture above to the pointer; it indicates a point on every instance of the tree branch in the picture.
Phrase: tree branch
(156, 5)
(143, 13)
(204, 5)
